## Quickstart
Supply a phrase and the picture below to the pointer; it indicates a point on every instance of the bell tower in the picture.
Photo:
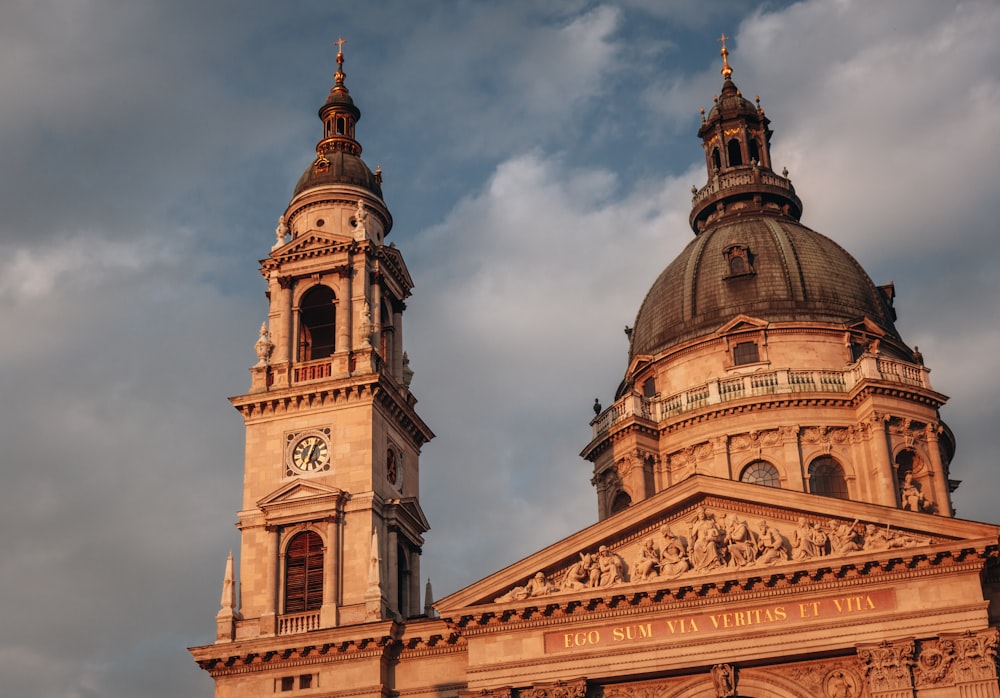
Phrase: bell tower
(331, 523)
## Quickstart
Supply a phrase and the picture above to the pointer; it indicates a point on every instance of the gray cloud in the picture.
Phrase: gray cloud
(538, 166)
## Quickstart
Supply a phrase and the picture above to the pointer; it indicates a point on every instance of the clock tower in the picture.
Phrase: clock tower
(331, 523)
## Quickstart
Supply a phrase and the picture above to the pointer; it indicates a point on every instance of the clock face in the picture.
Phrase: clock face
(311, 453)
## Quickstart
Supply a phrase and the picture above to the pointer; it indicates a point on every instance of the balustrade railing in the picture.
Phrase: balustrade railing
(292, 623)
(759, 384)
(738, 177)
(314, 370)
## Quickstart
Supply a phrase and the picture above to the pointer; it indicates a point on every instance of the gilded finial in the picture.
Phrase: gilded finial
(727, 72)
(339, 75)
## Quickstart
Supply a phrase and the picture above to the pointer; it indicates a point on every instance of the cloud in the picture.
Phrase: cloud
(543, 272)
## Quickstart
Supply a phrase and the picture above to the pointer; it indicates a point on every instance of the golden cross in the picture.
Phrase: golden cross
(723, 38)
(340, 44)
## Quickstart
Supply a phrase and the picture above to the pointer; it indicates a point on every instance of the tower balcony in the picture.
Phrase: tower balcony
(783, 381)
(741, 188)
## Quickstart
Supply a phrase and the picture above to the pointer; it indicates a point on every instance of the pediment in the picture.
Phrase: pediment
(309, 243)
(301, 498)
(406, 513)
(394, 258)
(742, 323)
(867, 326)
(712, 531)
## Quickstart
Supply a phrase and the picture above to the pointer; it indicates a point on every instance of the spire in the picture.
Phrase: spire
(727, 72)
(225, 619)
(373, 595)
(428, 600)
(228, 589)
(374, 567)
(339, 115)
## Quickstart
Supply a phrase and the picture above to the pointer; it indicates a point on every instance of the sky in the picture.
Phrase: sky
(538, 160)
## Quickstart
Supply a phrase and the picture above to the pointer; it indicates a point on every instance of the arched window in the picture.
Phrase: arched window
(340, 126)
(826, 477)
(317, 324)
(760, 472)
(754, 152)
(304, 573)
(735, 154)
(621, 502)
(716, 159)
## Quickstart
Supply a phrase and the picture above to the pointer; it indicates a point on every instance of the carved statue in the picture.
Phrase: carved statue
(820, 539)
(840, 684)
(647, 563)
(611, 566)
(803, 543)
(740, 543)
(536, 586)
(673, 555)
(281, 232)
(843, 537)
(581, 574)
(724, 680)
(910, 496)
(886, 539)
(360, 221)
(771, 545)
(366, 326)
(264, 346)
(706, 537)
(407, 371)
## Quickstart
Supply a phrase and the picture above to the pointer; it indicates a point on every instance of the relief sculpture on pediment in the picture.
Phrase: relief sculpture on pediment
(709, 541)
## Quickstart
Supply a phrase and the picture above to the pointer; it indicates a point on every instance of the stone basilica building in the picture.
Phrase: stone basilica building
(772, 480)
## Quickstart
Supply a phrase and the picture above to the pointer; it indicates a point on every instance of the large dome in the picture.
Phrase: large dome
(792, 273)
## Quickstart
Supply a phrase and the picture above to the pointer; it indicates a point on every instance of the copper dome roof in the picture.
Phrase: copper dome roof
(340, 168)
(794, 274)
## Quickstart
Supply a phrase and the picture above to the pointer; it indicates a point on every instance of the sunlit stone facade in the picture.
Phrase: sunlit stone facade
(772, 479)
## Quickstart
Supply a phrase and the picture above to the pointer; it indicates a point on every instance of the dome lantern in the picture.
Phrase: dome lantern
(736, 138)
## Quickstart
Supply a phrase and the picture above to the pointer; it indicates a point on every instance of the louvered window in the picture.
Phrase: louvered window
(746, 353)
(304, 573)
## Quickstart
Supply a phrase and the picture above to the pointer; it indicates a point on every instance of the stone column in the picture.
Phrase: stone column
(397, 344)
(331, 573)
(887, 667)
(416, 605)
(281, 320)
(939, 477)
(880, 458)
(376, 305)
(391, 585)
(268, 620)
